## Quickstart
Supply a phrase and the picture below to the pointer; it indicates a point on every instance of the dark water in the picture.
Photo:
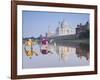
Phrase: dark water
(59, 55)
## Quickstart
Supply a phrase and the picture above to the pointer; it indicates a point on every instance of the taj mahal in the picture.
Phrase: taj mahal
(63, 28)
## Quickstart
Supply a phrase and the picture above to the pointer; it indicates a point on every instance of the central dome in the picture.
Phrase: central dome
(64, 23)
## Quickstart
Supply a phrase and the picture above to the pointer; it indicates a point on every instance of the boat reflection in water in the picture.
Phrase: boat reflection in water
(29, 49)
(56, 54)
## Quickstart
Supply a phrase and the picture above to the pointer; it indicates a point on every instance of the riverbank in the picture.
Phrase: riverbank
(84, 41)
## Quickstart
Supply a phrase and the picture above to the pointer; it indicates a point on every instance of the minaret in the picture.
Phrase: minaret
(48, 31)
(62, 23)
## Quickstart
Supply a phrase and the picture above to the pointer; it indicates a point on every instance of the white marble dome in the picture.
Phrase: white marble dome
(64, 23)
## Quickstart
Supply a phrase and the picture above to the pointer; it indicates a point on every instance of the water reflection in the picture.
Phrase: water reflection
(28, 48)
(55, 54)
(83, 51)
(64, 51)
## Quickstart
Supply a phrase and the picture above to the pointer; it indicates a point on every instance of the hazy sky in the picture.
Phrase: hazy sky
(35, 23)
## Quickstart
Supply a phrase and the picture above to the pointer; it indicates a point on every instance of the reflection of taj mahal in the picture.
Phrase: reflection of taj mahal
(62, 51)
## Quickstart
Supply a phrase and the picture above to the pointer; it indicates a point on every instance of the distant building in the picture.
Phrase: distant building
(82, 28)
(64, 29)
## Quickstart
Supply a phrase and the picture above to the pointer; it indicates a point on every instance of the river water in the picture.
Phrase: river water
(60, 55)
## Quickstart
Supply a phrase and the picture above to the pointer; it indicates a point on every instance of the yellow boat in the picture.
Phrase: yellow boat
(30, 42)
